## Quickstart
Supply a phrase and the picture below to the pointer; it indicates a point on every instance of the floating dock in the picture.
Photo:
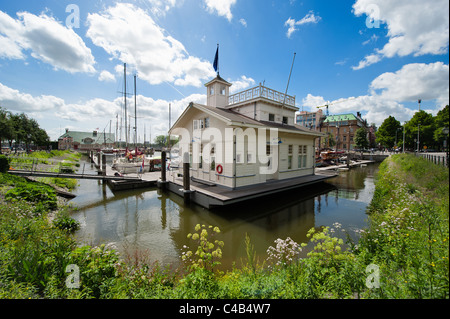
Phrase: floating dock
(209, 196)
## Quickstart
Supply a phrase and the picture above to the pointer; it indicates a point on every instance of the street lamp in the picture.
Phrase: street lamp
(445, 130)
(396, 131)
(404, 137)
(418, 140)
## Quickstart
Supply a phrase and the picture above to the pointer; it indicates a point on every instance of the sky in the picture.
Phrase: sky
(61, 62)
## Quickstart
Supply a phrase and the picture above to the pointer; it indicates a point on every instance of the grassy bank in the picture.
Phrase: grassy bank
(405, 247)
(54, 161)
(409, 229)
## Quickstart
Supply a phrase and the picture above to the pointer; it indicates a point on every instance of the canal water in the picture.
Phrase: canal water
(154, 224)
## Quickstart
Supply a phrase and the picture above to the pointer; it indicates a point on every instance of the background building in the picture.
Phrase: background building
(309, 120)
(85, 140)
(342, 128)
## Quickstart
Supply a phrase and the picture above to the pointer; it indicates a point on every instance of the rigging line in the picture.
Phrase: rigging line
(174, 88)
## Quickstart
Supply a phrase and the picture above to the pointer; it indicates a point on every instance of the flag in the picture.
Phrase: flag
(216, 61)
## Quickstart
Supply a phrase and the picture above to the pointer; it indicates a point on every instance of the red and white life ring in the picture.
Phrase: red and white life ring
(219, 169)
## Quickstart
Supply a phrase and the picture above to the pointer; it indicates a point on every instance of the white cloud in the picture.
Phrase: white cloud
(221, 7)
(130, 35)
(373, 38)
(414, 81)
(241, 84)
(414, 27)
(47, 39)
(388, 92)
(106, 76)
(291, 23)
(10, 49)
(160, 7)
(313, 102)
(95, 111)
(51, 111)
(14, 100)
(243, 22)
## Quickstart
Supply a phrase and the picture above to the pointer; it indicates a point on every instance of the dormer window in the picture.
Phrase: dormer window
(222, 90)
(271, 117)
(285, 120)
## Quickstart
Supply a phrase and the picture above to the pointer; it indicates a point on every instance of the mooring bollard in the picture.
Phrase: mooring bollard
(98, 159)
(186, 178)
(163, 166)
(103, 165)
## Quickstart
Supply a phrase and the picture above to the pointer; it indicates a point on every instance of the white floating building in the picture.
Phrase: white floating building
(243, 139)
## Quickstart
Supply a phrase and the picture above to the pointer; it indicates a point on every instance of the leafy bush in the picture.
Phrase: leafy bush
(66, 223)
(97, 269)
(4, 164)
(207, 252)
(31, 252)
(42, 195)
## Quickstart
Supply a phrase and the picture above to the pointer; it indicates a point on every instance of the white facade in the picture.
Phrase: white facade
(244, 139)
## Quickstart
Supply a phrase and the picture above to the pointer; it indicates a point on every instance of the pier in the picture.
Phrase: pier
(207, 195)
(210, 196)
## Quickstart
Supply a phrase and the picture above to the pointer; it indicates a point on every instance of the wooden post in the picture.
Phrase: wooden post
(186, 178)
(103, 164)
(163, 166)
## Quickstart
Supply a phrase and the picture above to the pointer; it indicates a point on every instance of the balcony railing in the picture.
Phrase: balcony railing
(261, 91)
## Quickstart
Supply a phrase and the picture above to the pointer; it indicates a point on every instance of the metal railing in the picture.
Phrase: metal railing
(436, 158)
(261, 91)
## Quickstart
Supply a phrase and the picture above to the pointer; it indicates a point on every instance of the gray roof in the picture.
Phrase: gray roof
(237, 118)
(89, 137)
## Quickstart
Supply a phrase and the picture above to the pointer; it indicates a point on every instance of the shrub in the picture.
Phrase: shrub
(4, 164)
(66, 223)
(285, 252)
(98, 271)
(43, 195)
(207, 252)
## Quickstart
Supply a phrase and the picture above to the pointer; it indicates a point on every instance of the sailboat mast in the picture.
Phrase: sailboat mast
(135, 115)
(125, 101)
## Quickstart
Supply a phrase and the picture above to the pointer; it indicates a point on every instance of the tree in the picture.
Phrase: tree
(422, 123)
(441, 121)
(361, 141)
(386, 133)
(20, 128)
(6, 129)
(160, 140)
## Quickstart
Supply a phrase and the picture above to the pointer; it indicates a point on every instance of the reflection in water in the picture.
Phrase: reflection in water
(157, 223)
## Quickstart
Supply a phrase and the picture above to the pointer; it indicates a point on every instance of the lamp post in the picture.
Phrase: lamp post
(396, 131)
(404, 137)
(418, 136)
(445, 130)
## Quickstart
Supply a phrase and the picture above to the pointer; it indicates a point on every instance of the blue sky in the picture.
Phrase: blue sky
(383, 55)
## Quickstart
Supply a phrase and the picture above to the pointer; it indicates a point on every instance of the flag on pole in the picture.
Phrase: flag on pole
(216, 61)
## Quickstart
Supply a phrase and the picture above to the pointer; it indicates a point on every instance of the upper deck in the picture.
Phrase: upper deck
(264, 92)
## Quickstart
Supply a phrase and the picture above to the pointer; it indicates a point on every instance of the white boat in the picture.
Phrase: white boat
(135, 165)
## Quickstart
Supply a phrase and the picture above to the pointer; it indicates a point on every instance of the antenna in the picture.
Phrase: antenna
(287, 86)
